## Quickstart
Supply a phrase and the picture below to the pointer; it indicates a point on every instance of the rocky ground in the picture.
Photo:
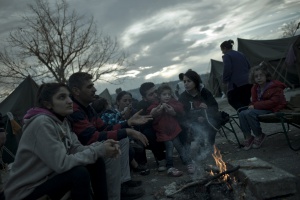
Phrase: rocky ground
(275, 151)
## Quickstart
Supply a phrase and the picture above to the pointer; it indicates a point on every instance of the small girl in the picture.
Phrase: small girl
(168, 129)
(267, 97)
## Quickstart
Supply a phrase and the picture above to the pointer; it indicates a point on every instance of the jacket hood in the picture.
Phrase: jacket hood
(35, 112)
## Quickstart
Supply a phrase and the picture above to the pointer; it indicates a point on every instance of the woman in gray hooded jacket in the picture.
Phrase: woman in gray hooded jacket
(50, 160)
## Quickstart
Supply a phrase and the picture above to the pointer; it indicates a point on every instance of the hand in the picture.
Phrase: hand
(169, 109)
(2, 138)
(251, 107)
(112, 148)
(157, 110)
(138, 119)
(137, 135)
(203, 105)
(127, 112)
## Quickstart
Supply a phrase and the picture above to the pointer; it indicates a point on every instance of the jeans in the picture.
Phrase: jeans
(185, 158)
(249, 121)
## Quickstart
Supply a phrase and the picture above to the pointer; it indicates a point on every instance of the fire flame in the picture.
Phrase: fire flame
(220, 163)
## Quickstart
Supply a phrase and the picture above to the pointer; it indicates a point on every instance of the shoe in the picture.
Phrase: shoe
(248, 143)
(142, 169)
(191, 168)
(128, 193)
(174, 172)
(161, 166)
(132, 183)
(258, 141)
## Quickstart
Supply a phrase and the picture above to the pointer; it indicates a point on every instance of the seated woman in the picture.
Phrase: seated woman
(50, 160)
(267, 97)
(202, 110)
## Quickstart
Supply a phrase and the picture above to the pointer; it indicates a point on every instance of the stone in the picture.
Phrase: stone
(263, 179)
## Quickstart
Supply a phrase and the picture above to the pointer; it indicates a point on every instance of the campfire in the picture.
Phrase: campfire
(216, 182)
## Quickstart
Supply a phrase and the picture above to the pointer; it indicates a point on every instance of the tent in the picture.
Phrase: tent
(215, 81)
(106, 95)
(273, 53)
(18, 102)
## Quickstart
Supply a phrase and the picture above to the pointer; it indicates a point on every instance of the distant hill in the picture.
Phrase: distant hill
(136, 93)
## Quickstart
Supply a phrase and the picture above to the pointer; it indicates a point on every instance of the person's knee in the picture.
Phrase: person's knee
(81, 175)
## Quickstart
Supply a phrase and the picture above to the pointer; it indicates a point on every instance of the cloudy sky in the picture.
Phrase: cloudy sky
(166, 37)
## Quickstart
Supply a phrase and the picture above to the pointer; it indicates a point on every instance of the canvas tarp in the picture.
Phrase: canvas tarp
(215, 80)
(106, 95)
(18, 102)
(273, 52)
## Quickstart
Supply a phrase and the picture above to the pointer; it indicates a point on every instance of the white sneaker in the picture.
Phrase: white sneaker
(161, 166)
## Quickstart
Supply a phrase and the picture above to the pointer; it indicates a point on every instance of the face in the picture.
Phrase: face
(165, 96)
(224, 50)
(86, 94)
(189, 84)
(260, 78)
(61, 102)
(125, 101)
(151, 95)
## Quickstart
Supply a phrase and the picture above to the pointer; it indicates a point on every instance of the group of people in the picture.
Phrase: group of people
(74, 142)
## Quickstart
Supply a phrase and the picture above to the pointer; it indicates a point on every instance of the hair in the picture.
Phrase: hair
(163, 87)
(100, 104)
(195, 77)
(180, 76)
(227, 44)
(78, 79)
(46, 92)
(121, 94)
(264, 70)
(145, 87)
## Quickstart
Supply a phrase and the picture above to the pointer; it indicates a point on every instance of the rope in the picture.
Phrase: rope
(209, 121)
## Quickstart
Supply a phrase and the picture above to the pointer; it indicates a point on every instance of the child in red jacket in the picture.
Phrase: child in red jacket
(168, 129)
(267, 97)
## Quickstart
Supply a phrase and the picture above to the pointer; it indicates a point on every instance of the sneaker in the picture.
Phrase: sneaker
(258, 141)
(174, 172)
(128, 193)
(248, 143)
(191, 168)
(161, 166)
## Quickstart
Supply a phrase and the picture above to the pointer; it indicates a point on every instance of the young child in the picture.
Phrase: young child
(168, 129)
(267, 97)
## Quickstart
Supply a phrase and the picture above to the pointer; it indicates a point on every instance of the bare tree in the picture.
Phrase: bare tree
(56, 42)
(290, 29)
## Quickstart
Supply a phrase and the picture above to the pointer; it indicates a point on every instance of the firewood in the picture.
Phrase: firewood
(255, 167)
(203, 181)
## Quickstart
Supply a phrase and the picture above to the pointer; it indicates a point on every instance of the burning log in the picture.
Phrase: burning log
(203, 181)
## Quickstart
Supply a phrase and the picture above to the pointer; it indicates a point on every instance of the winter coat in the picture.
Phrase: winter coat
(47, 148)
(272, 97)
(165, 125)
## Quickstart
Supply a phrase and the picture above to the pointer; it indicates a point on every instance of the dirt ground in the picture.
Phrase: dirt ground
(274, 150)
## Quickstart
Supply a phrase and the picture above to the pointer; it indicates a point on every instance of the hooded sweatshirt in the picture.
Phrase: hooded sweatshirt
(47, 148)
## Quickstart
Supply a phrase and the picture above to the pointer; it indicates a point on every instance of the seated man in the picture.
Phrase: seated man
(148, 92)
(90, 128)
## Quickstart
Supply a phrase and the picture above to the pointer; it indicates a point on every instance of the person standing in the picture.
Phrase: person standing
(180, 85)
(235, 75)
